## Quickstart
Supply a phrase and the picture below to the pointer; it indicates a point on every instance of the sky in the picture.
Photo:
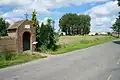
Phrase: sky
(103, 13)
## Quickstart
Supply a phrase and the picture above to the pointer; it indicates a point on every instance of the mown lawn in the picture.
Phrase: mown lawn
(9, 59)
(70, 43)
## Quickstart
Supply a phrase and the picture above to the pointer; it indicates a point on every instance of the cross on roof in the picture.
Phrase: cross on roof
(26, 15)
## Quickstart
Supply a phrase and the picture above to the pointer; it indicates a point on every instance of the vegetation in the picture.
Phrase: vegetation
(45, 34)
(37, 26)
(70, 43)
(116, 25)
(9, 59)
(73, 24)
(118, 2)
(3, 27)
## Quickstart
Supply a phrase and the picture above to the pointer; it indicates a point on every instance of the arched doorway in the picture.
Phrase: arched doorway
(26, 41)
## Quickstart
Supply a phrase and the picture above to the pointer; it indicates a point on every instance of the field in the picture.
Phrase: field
(71, 39)
(70, 43)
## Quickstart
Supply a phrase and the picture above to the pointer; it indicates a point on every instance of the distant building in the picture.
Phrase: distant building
(115, 34)
(92, 34)
(103, 33)
(61, 33)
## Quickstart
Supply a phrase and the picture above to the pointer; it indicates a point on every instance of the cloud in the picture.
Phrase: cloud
(15, 2)
(103, 16)
(12, 20)
(43, 7)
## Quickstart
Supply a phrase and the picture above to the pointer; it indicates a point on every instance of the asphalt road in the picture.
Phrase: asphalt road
(100, 62)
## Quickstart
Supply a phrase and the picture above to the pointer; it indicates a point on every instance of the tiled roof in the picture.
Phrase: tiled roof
(15, 25)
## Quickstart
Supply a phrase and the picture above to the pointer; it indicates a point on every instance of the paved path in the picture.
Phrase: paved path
(100, 62)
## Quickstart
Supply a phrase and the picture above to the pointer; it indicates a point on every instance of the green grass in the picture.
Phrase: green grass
(66, 44)
(9, 59)
(80, 42)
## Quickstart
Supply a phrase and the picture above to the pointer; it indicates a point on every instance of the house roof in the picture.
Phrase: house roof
(16, 24)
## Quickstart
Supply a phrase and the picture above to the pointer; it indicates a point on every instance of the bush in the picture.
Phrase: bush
(7, 56)
(47, 37)
(109, 33)
(96, 33)
(43, 48)
(84, 41)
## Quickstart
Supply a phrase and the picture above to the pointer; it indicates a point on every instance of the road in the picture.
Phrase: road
(101, 62)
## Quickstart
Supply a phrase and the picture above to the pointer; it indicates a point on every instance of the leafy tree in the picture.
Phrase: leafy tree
(73, 24)
(116, 26)
(118, 2)
(68, 22)
(96, 33)
(84, 24)
(42, 35)
(34, 18)
(47, 36)
(37, 26)
(51, 43)
(3, 27)
(109, 33)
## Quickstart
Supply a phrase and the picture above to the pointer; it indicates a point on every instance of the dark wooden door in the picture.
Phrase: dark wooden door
(26, 41)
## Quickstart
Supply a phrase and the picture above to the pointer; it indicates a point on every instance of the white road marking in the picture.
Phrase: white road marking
(109, 77)
(118, 61)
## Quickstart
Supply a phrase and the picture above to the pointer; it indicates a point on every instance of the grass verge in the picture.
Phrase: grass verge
(10, 59)
(84, 43)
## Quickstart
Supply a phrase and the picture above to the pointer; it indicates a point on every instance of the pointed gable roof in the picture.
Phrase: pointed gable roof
(16, 24)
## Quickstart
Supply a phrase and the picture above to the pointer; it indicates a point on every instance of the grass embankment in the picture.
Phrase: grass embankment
(9, 59)
(71, 43)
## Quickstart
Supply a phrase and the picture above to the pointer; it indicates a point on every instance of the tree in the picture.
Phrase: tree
(51, 35)
(73, 24)
(118, 2)
(68, 22)
(45, 34)
(116, 26)
(84, 24)
(109, 33)
(3, 27)
(37, 26)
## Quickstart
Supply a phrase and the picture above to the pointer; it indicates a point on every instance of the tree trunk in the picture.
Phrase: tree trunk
(77, 31)
(118, 34)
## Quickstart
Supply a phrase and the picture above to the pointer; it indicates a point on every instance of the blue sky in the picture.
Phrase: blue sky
(102, 12)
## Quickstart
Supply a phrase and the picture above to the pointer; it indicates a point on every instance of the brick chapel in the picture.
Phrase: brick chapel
(24, 34)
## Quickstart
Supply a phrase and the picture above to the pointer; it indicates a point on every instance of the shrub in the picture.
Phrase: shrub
(96, 33)
(7, 56)
(47, 37)
(43, 48)
(84, 41)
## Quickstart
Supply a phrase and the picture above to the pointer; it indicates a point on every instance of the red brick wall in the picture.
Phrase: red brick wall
(20, 33)
(7, 44)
